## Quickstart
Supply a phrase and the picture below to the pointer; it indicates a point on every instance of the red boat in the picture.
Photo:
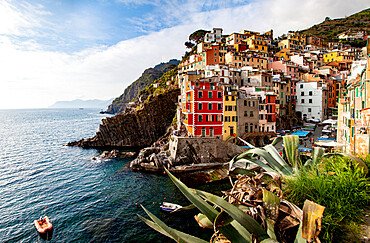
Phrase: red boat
(44, 227)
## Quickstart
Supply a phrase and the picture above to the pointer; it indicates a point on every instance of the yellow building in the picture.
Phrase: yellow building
(255, 42)
(337, 56)
(230, 115)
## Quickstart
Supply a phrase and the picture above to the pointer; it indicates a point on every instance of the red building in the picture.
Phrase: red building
(203, 111)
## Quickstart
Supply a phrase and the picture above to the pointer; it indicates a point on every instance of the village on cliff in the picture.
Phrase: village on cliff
(248, 86)
(242, 90)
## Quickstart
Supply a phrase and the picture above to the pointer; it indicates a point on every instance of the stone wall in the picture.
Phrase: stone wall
(206, 150)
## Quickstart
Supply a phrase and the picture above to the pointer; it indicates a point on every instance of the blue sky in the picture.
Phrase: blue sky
(64, 50)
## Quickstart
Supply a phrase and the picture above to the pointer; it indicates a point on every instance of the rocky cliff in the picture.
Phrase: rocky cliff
(138, 128)
(148, 77)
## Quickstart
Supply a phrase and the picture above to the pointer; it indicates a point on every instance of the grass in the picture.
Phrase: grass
(338, 185)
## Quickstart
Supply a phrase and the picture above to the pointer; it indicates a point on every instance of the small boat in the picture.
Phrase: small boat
(44, 227)
(170, 207)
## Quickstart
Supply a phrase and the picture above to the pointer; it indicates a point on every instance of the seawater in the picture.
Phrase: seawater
(87, 200)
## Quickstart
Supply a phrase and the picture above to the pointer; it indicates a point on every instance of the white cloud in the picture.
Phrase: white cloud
(33, 77)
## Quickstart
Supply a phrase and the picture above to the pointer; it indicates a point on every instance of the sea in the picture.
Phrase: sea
(87, 200)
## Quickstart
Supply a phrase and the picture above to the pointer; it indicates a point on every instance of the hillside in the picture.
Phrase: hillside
(148, 77)
(330, 28)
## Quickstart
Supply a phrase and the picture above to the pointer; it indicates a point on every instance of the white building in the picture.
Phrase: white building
(312, 100)
(214, 36)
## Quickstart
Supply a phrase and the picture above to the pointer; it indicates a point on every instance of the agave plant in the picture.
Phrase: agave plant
(250, 218)
(269, 159)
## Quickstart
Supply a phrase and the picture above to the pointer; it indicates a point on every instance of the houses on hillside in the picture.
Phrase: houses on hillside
(248, 85)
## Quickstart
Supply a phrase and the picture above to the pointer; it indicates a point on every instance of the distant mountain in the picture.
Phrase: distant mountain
(329, 29)
(101, 104)
(147, 78)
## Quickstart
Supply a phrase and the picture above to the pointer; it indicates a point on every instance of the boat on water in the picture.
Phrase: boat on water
(170, 207)
(44, 227)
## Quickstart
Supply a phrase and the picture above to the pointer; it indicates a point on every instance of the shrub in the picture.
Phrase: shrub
(339, 185)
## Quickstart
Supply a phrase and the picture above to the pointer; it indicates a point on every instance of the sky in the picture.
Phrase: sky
(60, 50)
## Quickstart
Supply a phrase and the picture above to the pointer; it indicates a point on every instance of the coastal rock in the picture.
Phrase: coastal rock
(139, 128)
(116, 154)
(184, 154)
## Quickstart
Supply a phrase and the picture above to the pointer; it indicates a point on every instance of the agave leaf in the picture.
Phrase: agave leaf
(223, 219)
(269, 241)
(202, 205)
(233, 232)
(155, 226)
(238, 215)
(271, 203)
(271, 161)
(271, 228)
(240, 171)
(175, 234)
(275, 154)
(189, 207)
(250, 160)
(291, 145)
(250, 145)
(311, 224)
(318, 152)
(299, 238)
(203, 221)
(276, 141)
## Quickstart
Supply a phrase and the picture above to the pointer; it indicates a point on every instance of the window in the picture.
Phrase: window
(219, 95)
(302, 93)
(246, 127)
(200, 106)
(310, 101)
(233, 98)
(200, 118)
(302, 101)
(227, 119)
(245, 113)
(251, 114)
(197, 84)
(227, 98)
(309, 109)
(245, 103)
(200, 94)
(301, 86)
(234, 119)
(210, 94)
(219, 106)
(310, 93)
(209, 106)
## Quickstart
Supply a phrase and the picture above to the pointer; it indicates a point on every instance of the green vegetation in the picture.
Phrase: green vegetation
(330, 28)
(340, 185)
(257, 203)
(145, 80)
(165, 82)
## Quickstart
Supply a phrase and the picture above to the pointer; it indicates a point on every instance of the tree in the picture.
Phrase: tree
(197, 36)
(189, 44)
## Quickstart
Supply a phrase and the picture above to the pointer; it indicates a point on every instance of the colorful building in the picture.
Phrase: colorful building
(203, 110)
